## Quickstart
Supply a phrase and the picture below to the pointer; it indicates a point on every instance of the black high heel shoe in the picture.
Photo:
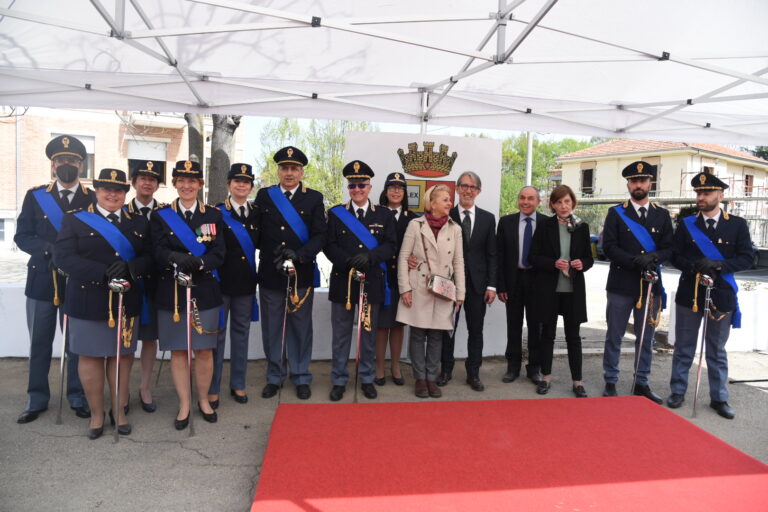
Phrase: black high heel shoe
(399, 381)
(95, 433)
(181, 424)
(147, 406)
(210, 418)
(124, 429)
(241, 399)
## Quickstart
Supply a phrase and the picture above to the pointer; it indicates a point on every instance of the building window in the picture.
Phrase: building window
(587, 181)
(749, 181)
(707, 169)
(2, 230)
(89, 141)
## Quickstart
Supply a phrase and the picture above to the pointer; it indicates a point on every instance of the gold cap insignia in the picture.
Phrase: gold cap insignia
(65, 142)
(703, 179)
(639, 167)
(150, 165)
(187, 165)
(113, 175)
(397, 175)
(356, 166)
(290, 152)
(244, 169)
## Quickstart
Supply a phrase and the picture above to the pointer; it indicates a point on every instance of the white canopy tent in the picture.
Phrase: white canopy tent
(693, 70)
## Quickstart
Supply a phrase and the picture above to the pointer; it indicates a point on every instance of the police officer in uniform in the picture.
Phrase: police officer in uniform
(36, 229)
(146, 176)
(238, 283)
(625, 226)
(92, 253)
(187, 234)
(717, 244)
(367, 251)
(291, 225)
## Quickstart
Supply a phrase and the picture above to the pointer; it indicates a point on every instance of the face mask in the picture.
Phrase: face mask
(67, 173)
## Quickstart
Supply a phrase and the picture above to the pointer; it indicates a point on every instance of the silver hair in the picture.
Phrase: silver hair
(473, 176)
(538, 192)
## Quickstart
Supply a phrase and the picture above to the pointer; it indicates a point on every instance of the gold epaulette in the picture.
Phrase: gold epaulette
(84, 188)
(49, 186)
(725, 215)
(626, 203)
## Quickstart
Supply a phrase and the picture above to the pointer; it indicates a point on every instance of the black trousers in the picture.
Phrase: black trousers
(474, 311)
(519, 304)
(572, 337)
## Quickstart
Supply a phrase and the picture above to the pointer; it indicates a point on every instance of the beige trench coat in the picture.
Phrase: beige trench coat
(446, 257)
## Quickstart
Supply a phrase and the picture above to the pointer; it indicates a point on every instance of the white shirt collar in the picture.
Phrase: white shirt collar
(355, 207)
(524, 216)
(184, 210)
(637, 207)
(236, 206)
(716, 217)
(105, 212)
(141, 205)
(292, 191)
(471, 211)
(73, 188)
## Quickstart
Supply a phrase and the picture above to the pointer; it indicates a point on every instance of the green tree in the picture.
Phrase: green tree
(322, 142)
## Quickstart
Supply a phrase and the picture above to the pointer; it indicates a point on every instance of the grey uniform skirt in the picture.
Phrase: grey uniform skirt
(173, 335)
(388, 314)
(148, 331)
(94, 338)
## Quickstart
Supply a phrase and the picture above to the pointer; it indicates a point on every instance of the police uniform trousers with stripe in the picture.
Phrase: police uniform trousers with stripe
(173, 335)
(687, 337)
(341, 344)
(238, 311)
(298, 337)
(95, 338)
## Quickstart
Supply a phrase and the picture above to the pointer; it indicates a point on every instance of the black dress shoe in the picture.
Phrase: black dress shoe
(181, 424)
(241, 399)
(579, 391)
(337, 393)
(475, 383)
(95, 433)
(124, 430)
(147, 406)
(511, 375)
(303, 392)
(210, 418)
(399, 381)
(675, 400)
(647, 393)
(214, 404)
(369, 391)
(542, 387)
(443, 378)
(269, 390)
(81, 411)
(380, 381)
(28, 416)
(610, 389)
(723, 409)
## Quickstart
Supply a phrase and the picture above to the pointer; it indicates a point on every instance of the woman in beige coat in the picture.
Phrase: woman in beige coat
(435, 242)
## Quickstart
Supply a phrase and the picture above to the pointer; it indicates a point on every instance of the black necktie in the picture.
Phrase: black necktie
(65, 195)
(527, 237)
(466, 227)
(642, 211)
(360, 214)
(113, 218)
(188, 216)
(288, 194)
(242, 212)
(145, 211)
(710, 228)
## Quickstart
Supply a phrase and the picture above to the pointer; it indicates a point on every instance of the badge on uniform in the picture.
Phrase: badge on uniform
(206, 232)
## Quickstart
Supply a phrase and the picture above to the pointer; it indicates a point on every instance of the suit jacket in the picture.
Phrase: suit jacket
(406, 216)
(206, 289)
(36, 236)
(620, 245)
(545, 250)
(274, 232)
(150, 278)
(734, 243)
(508, 250)
(237, 278)
(84, 255)
(480, 264)
(341, 244)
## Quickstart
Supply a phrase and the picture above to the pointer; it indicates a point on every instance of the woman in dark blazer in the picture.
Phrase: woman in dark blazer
(390, 331)
(561, 253)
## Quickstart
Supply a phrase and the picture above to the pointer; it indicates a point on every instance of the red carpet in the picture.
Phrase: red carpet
(596, 454)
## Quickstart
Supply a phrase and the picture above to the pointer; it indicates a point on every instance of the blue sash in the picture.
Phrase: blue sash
(292, 217)
(246, 244)
(369, 241)
(188, 239)
(709, 250)
(50, 207)
(646, 241)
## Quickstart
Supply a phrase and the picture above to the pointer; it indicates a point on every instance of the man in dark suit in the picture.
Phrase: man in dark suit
(36, 229)
(290, 219)
(515, 283)
(478, 229)
(716, 244)
(362, 237)
(626, 243)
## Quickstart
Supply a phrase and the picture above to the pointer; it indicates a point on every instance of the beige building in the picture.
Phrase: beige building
(110, 137)
(595, 172)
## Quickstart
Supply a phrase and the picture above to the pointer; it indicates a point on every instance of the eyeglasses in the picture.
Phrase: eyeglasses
(353, 186)
(464, 186)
